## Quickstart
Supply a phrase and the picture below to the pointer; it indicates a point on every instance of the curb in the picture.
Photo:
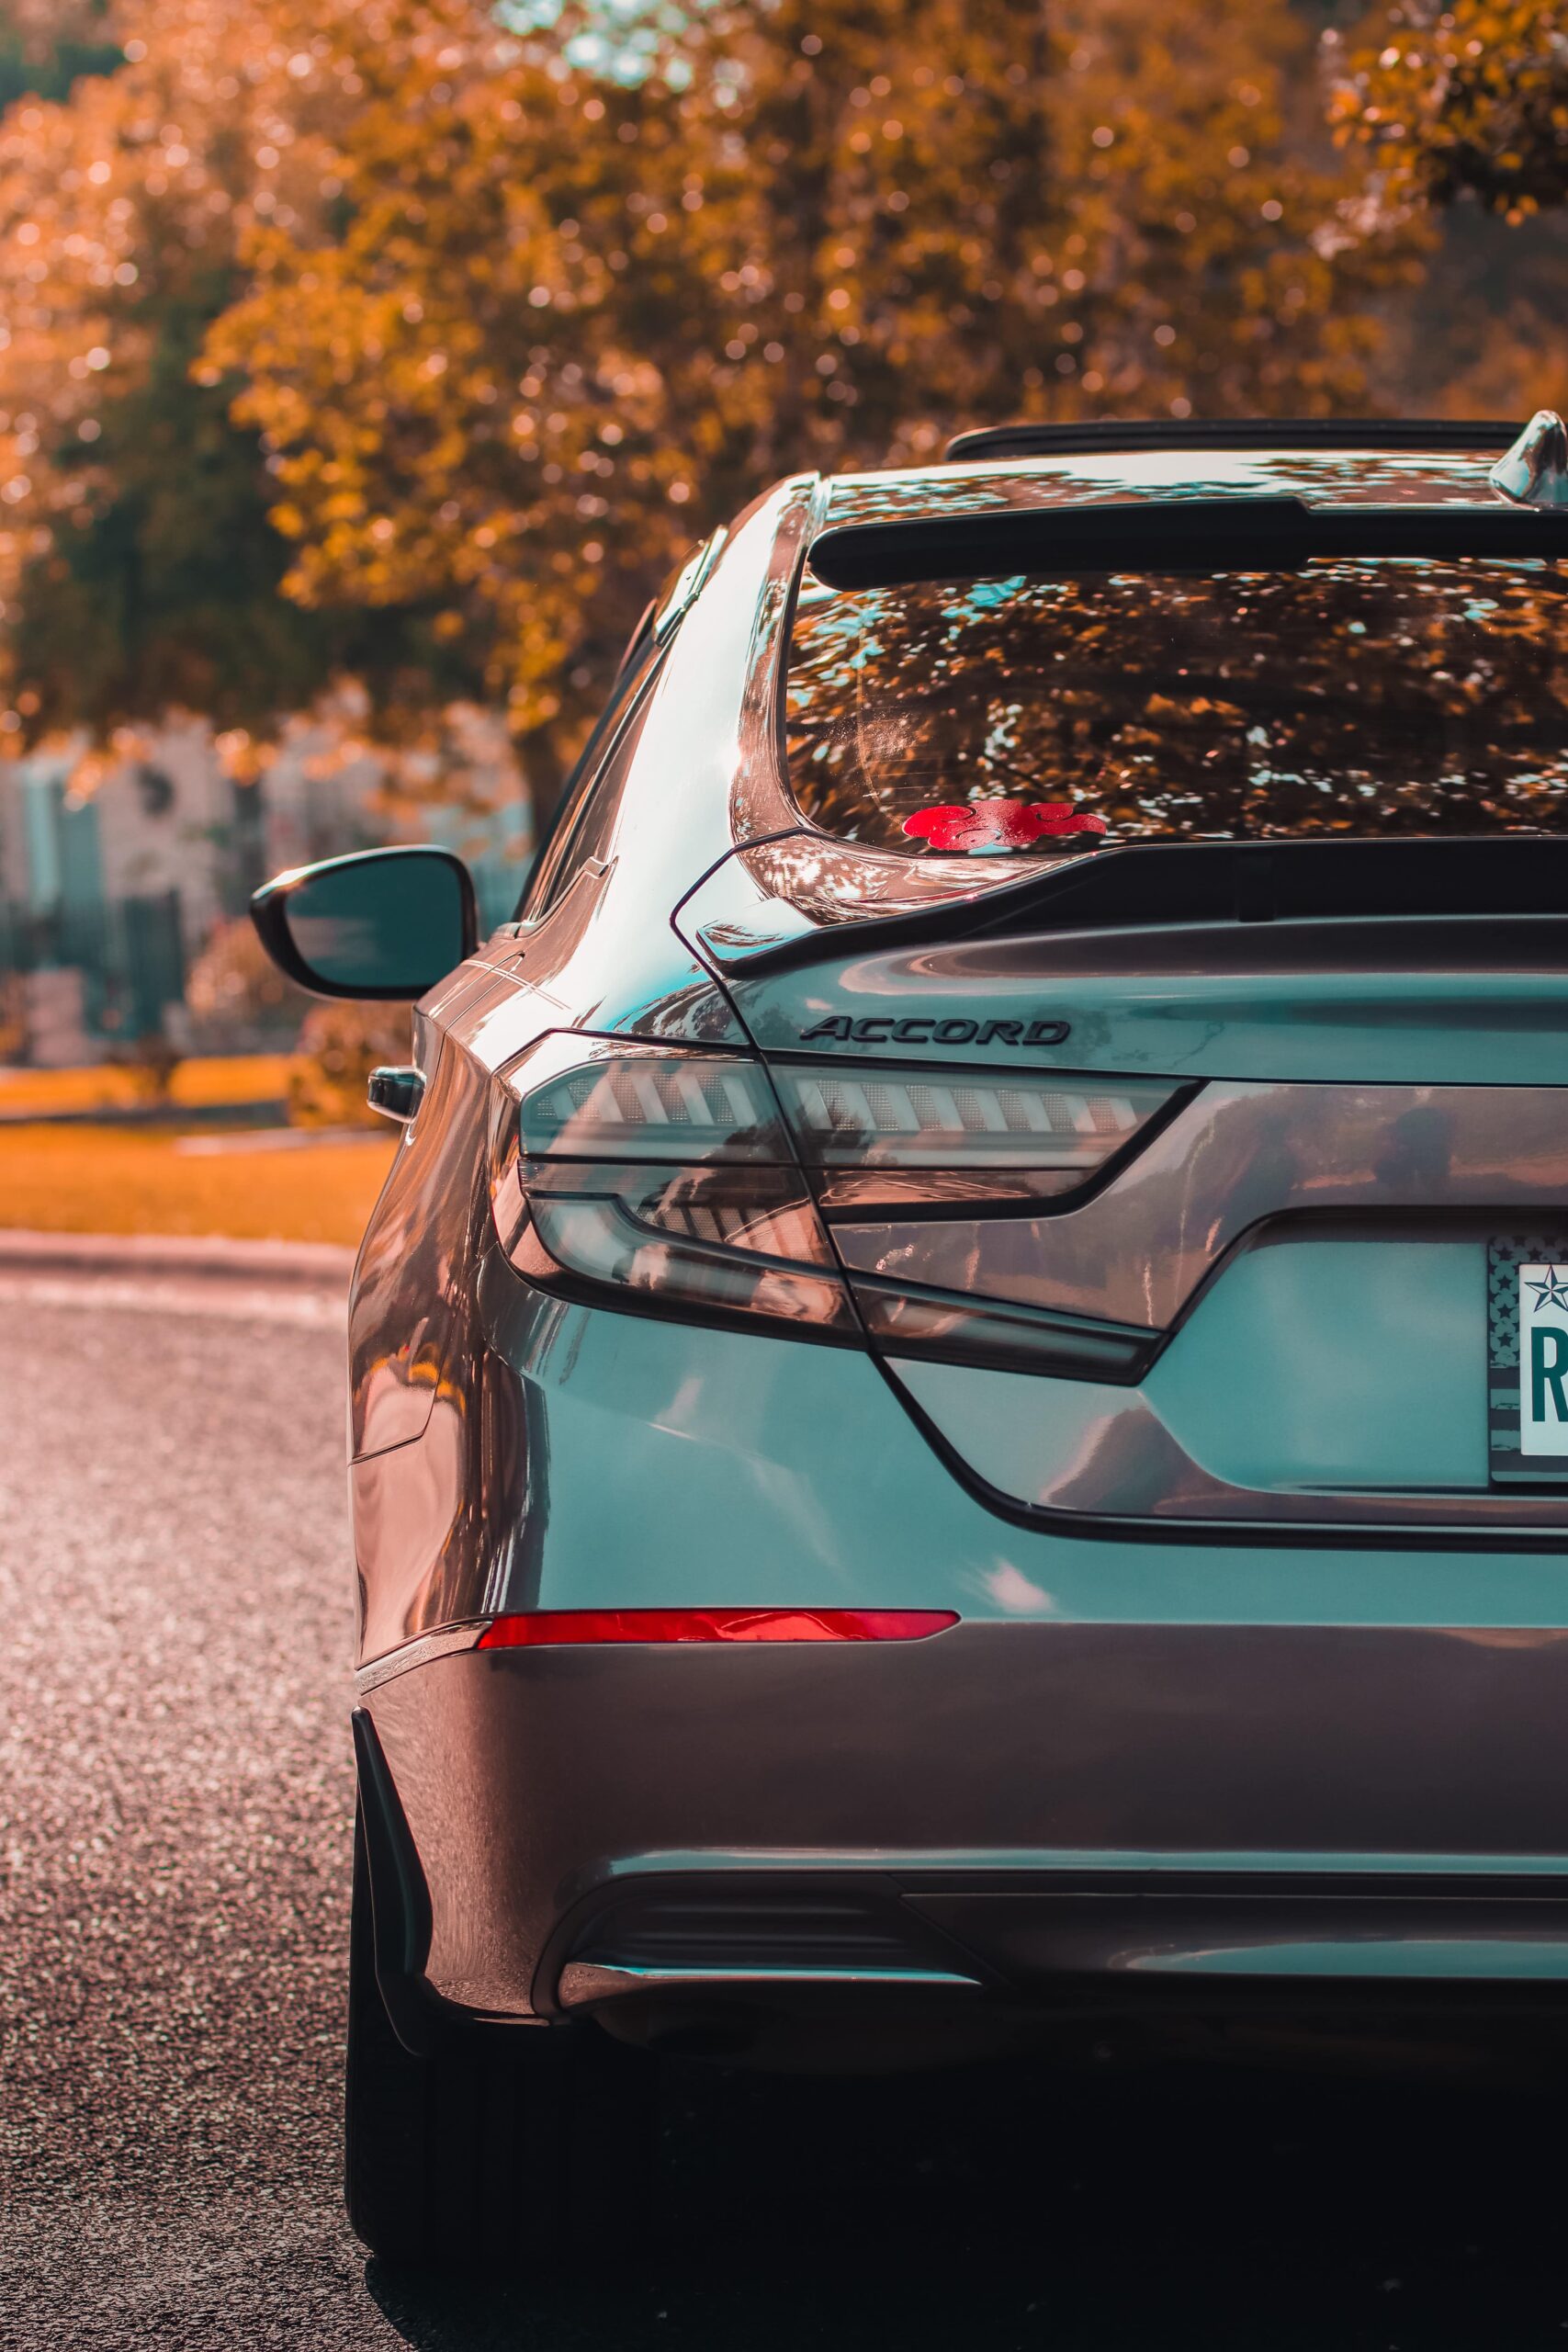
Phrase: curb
(313, 1265)
(260, 1113)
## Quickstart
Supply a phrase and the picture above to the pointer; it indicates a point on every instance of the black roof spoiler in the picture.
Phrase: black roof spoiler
(1221, 433)
(1174, 535)
(1321, 878)
(1421, 881)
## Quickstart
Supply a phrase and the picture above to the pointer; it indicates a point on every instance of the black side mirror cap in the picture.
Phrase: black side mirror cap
(380, 923)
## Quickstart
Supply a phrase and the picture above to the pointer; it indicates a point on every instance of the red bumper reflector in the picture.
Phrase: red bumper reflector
(549, 1625)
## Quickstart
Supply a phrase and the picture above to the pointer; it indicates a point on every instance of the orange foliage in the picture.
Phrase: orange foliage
(1462, 97)
(120, 206)
(564, 319)
(514, 317)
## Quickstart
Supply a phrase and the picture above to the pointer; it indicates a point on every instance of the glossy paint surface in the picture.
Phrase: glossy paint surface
(1322, 1379)
(408, 1310)
(789, 1474)
(1318, 1379)
(1367, 1714)
(1028, 1754)
(1365, 1350)
(441, 1479)
(1269, 1002)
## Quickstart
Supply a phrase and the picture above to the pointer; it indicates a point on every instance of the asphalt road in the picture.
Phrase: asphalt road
(174, 1814)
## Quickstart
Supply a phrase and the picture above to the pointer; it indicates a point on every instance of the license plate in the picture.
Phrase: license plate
(1526, 1357)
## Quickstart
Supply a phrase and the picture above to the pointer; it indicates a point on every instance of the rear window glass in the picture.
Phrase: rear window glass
(1352, 697)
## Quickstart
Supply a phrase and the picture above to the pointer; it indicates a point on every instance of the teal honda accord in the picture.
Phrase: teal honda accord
(959, 1390)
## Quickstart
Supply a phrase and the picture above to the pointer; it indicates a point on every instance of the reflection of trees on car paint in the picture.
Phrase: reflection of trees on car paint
(1352, 697)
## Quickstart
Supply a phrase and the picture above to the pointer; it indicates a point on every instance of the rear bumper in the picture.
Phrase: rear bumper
(1012, 1809)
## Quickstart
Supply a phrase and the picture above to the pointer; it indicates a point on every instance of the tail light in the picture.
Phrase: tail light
(665, 1181)
(703, 1186)
(882, 1136)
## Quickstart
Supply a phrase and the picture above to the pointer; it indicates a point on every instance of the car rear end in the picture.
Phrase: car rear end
(1025, 1462)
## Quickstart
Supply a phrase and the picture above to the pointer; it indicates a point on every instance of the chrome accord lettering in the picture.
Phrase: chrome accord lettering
(881, 1029)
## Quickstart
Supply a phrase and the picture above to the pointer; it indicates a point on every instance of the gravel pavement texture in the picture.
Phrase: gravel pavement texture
(175, 1801)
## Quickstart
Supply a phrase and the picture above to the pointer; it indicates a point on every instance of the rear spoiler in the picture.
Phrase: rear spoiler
(1105, 435)
(1174, 535)
(1150, 886)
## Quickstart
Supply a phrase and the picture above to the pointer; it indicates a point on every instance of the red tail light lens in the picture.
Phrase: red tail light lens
(544, 1627)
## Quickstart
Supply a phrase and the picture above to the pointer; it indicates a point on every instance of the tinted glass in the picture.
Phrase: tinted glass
(587, 824)
(388, 923)
(1352, 697)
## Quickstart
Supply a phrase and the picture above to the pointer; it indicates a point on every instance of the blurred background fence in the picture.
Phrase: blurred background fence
(88, 972)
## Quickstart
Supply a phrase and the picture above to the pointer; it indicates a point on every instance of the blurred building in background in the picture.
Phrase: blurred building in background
(122, 877)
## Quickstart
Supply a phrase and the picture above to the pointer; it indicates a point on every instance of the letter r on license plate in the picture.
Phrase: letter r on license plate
(1526, 1357)
(1543, 1360)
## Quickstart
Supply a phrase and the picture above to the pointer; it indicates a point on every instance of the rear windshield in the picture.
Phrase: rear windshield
(1351, 697)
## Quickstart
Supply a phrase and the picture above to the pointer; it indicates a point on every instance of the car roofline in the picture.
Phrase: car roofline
(987, 443)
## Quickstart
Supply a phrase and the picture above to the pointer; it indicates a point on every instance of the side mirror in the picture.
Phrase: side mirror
(381, 922)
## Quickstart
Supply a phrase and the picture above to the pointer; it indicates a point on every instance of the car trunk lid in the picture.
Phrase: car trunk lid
(1287, 1294)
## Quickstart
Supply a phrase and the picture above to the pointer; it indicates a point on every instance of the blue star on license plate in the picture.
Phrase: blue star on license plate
(1526, 1357)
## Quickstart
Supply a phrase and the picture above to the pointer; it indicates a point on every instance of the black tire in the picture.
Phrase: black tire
(499, 2148)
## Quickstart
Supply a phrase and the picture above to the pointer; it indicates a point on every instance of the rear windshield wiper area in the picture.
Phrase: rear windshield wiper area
(1197, 535)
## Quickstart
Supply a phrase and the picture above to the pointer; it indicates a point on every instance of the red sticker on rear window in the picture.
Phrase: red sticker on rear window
(1000, 824)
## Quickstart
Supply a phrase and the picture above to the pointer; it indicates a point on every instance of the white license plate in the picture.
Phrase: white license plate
(1527, 1356)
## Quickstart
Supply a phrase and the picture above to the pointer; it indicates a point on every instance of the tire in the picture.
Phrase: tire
(500, 2148)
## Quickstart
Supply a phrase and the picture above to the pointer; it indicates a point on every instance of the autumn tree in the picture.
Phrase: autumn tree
(138, 566)
(47, 45)
(408, 340)
(1458, 114)
(564, 316)
(44, 28)
(1451, 99)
